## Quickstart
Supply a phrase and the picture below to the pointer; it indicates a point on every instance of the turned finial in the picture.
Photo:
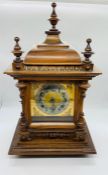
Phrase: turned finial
(87, 63)
(17, 50)
(53, 21)
(88, 50)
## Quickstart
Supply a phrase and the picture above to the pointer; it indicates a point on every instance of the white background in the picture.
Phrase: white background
(28, 20)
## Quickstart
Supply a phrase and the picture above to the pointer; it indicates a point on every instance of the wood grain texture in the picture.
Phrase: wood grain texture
(64, 146)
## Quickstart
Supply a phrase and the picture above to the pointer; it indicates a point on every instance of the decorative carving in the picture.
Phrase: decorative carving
(17, 63)
(83, 87)
(25, 135)
(21, 85)
(87, 64)
(80, 134)
(54, 68)
(80, 122)
(52, 134)
(80, 131)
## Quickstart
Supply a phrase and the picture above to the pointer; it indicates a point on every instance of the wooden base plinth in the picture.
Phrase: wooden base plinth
(51, 146)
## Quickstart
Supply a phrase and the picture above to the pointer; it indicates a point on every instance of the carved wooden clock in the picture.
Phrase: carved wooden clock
(52, 80)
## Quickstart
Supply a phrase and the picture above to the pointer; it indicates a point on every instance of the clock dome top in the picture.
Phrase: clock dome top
(52, 51)
(52, 58)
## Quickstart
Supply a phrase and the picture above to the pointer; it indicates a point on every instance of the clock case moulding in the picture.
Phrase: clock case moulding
(50, 62)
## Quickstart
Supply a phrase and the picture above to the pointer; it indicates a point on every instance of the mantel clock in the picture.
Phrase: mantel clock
(52, 80)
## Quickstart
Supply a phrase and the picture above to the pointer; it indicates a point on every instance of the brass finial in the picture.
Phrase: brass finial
(17, 50)
(88, 50)
(53, 21)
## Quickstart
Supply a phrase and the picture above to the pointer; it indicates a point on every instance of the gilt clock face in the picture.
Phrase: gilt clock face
(52, 99)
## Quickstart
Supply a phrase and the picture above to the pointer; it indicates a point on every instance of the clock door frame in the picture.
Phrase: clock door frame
(25, 86)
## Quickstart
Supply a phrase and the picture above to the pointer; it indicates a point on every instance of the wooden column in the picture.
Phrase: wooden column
(80, 134)
(25, 135)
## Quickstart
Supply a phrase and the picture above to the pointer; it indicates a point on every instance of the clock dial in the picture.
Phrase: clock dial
(52, 98)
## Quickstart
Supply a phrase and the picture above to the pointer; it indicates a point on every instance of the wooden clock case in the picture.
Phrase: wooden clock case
(52, 61)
